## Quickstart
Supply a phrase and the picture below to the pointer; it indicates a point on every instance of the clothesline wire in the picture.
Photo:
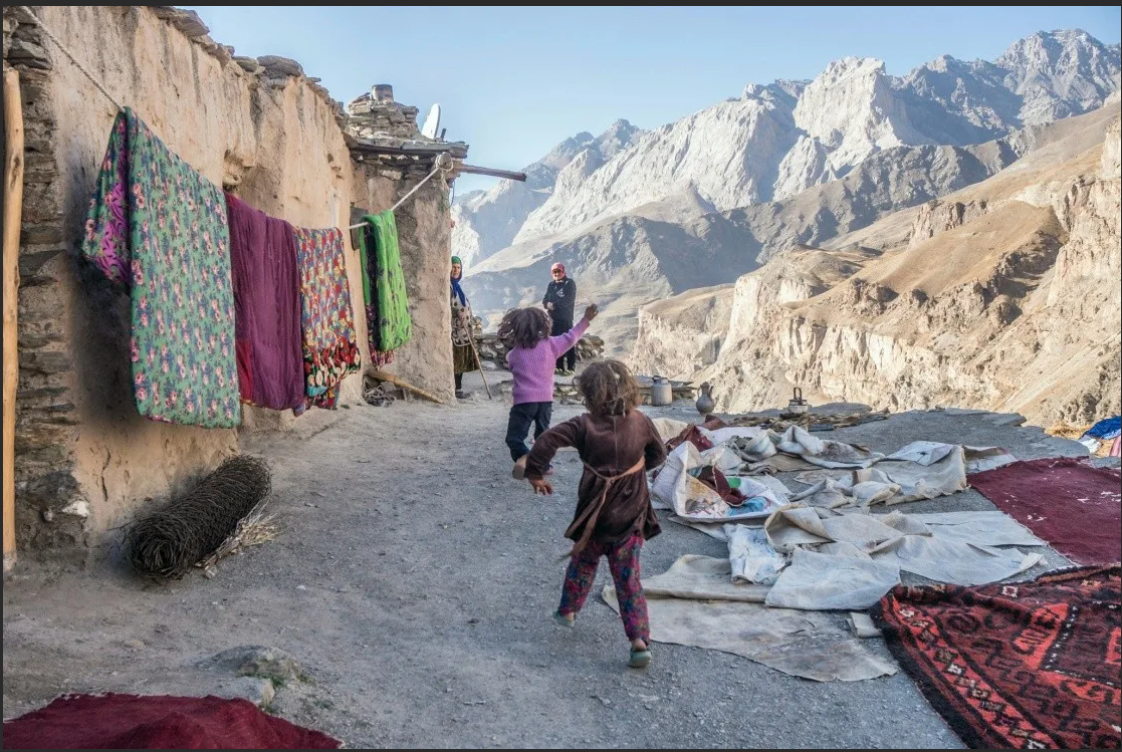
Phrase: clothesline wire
(50, 35)
(443, 161)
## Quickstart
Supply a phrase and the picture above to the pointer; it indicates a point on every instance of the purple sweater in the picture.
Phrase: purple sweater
(533, 367)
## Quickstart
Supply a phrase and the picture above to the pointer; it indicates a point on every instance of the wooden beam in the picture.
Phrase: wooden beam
(490, 172)
(13, 219)
(383, 376)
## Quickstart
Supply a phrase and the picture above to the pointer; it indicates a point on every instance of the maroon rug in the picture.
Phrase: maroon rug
(1032, 665)
(131, 722)
(1074, 506)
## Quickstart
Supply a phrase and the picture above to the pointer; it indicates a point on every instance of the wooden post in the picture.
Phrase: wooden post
(490, 172)
(13, 219)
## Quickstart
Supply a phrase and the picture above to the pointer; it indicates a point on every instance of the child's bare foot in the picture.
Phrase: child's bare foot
(565, 620)
(519, 471)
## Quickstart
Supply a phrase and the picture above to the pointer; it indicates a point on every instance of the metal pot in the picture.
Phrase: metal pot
(662, 393)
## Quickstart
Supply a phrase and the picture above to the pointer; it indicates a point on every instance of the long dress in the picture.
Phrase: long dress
(463, 358)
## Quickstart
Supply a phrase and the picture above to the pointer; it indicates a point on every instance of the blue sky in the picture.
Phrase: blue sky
(513, 82)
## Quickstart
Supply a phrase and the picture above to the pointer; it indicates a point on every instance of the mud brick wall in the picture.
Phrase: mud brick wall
(85, 461)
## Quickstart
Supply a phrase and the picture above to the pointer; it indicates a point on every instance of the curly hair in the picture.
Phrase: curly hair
(609, 388)
(524, 327)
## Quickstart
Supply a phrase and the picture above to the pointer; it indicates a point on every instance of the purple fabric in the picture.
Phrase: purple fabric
(267, 308)
(533, 368)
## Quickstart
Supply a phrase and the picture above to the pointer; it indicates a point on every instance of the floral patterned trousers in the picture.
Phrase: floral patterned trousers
(623, 561)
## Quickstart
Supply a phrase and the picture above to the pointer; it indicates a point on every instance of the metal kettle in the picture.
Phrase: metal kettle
(798, 405)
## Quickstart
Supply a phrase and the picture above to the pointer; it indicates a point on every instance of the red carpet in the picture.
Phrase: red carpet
(1067, 502)
(130, 722)
(1016, 666)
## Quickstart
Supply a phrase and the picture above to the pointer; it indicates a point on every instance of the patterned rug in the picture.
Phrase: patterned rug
(1030, 665)
(158, 229)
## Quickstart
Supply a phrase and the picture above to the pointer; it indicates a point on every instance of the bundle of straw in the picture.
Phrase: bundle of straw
(191, 529)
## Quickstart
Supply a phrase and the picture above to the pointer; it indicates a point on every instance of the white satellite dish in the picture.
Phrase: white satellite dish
(432, 123)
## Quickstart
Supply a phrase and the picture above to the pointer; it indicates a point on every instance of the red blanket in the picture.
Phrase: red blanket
(130, 722)
(1067, 502)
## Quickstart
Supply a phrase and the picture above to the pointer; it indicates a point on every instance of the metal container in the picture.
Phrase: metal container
(798, 405)
(705, 403)
(662, 393)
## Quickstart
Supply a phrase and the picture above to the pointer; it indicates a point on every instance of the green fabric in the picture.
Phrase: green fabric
(366, 301)
(456, 260)
(389, 306)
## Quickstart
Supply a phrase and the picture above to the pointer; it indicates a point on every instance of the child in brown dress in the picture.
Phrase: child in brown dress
(617, 444)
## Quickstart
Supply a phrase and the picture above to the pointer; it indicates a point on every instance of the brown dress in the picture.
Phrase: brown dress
(608, 446)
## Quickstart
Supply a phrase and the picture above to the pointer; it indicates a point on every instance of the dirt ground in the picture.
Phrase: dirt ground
(414, 581)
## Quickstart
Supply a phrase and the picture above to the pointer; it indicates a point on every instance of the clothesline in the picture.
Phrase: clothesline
(443, 160)
(93, 79)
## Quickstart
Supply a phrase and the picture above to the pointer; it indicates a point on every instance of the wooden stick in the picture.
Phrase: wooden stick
(383, 376)
(478, 360)
(490, 172)
(13, 219)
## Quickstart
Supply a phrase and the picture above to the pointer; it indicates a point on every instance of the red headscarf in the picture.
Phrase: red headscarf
(558, 267)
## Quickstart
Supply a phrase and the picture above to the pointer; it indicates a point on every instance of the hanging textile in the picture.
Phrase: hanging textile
(387, 302)
(330, 349)
(267, 304)
(363, 239)
(157, 228)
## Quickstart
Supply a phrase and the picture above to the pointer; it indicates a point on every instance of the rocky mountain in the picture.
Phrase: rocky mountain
(1004, 296)
(488, 221)
(707, 198)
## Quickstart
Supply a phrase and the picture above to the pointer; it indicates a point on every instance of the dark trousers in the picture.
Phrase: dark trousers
(537, 414)
(568, 359)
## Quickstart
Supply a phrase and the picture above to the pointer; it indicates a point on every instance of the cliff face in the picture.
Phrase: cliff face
(785, 164)
(1003, 296)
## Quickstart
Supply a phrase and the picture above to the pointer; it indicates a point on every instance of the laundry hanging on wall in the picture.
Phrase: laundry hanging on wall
(159, 229)
(389, 322)
(329, 340)
(267, 303)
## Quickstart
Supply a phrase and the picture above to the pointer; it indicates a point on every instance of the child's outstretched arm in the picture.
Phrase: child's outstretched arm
(567, 434)
(563, 342)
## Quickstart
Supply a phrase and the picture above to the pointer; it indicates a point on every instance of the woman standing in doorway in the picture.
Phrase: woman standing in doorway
(463, 355)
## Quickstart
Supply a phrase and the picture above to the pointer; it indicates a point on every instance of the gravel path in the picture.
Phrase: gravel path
(414, 581)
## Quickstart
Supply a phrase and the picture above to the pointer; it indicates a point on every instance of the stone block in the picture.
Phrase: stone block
(280, 66)
(188, 22)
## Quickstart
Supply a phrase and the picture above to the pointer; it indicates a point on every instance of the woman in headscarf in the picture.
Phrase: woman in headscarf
(463, 355)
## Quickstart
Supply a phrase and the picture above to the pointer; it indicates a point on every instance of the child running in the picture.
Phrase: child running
(532, 359)
(617, 444)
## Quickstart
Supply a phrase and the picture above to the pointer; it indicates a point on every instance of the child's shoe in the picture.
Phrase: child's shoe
(640, 658)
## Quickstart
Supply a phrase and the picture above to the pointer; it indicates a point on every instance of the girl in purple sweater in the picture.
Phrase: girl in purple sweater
(533, 359)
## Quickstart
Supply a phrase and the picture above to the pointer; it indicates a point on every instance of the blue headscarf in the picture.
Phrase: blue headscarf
(456, 289)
